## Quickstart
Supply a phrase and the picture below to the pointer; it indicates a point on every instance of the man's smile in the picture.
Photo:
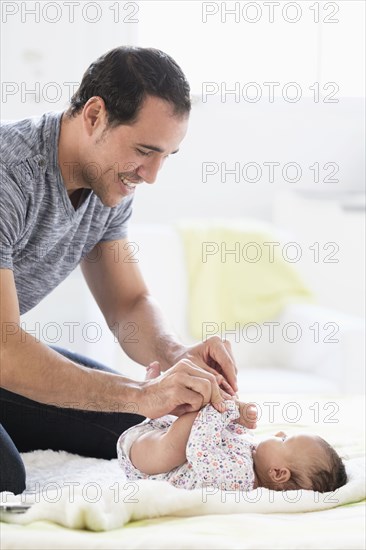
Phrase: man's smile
(129, 183)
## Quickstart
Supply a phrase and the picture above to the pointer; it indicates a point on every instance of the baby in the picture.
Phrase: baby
(209, 447)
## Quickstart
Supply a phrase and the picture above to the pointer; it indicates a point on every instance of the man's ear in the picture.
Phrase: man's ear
(93, 112)
(279, 475)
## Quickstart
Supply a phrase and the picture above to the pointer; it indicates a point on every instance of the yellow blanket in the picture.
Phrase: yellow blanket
(236, 276)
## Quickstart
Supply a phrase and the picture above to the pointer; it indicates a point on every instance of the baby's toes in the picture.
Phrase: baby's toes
(152, 370)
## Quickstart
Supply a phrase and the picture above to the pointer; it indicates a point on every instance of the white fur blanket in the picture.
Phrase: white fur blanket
(87, 493)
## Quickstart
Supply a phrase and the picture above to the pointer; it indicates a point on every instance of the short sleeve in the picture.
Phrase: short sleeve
(12, 216)
(117, 225)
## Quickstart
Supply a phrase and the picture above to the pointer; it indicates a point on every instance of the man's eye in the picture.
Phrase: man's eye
(143, 153)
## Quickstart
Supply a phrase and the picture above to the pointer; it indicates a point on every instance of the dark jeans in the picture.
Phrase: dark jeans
(26, 425)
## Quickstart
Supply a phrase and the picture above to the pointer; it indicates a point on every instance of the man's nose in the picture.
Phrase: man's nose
(149, 171)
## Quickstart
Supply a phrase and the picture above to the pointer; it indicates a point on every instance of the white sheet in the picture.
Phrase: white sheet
(92, 494)
(187, 522)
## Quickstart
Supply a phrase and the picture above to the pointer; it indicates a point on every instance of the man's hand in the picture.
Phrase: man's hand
(248, 411)
(183, 388)
(215, 356)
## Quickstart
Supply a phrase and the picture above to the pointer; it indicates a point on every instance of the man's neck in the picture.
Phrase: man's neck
(68, 159)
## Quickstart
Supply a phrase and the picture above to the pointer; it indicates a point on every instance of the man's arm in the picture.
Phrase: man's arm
(137, 320)
(32, 369)
(133, 315)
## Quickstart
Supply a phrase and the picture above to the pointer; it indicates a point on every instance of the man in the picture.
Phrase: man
(67, 184)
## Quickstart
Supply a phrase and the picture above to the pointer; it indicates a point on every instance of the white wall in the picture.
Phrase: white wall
(54, 42)
(47, 45)
(38, 54)
(240, 135)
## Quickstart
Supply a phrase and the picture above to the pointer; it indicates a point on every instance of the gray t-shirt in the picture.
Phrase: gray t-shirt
(42, 237)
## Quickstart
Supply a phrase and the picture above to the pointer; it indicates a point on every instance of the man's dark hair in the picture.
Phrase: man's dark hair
(125, 76)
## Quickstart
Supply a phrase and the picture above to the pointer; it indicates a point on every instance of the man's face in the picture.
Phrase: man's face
(117, 160)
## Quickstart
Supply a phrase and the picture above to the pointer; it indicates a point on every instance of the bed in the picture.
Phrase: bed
(309, 386)
(105, 512)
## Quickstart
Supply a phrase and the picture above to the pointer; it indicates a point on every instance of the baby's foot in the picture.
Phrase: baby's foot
(152, 370)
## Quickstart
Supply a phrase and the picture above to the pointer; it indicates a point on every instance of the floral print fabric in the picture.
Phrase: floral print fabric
(219, 451)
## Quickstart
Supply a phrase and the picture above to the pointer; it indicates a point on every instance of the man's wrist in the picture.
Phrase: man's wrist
(137, 398)
(175, 353)
(169, 351)
(125, 396)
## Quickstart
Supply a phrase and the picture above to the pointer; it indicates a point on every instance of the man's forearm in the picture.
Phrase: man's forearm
(145, 336)
(32, 369)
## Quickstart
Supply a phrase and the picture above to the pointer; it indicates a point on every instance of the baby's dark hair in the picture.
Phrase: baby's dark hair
(327, 475)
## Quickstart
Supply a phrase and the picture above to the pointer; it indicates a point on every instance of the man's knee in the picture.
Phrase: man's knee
(12, 470)
(14, 481)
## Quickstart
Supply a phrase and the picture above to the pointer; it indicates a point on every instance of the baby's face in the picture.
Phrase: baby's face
(281, 451)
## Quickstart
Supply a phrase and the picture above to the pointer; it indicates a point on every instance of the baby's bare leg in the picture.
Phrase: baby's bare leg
(160, 451)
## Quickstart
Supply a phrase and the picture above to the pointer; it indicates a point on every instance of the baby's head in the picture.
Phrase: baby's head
(301, 461)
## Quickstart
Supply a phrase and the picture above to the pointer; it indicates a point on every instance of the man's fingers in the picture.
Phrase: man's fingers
(200, 366)
(197, 386)
(220, 378)
(227, 386)
(225, 395)
(192, 401)
(230, 352)
(206, 387)
(220, 354)
(203, 382)
(193, 398)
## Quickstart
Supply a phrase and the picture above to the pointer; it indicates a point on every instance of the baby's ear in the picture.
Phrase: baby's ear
(279, 475)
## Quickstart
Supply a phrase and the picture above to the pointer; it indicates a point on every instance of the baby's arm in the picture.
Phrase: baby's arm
(158, 452)
(216, 459)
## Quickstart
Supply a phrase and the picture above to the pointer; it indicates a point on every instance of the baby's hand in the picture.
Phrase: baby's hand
(248, 415)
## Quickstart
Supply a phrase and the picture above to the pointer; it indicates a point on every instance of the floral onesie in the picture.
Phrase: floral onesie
(219, 451)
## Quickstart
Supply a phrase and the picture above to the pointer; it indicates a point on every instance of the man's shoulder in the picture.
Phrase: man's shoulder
(25, 138)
